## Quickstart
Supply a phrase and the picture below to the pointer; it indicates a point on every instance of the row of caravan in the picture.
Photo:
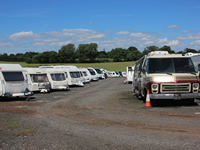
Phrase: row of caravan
(17, 81)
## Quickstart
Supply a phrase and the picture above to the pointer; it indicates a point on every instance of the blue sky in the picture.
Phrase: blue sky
(46, 25)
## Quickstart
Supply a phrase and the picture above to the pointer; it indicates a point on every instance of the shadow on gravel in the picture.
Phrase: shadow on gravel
(12, 99)
(172, 103)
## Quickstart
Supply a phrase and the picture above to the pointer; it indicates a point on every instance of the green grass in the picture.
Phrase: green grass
(110, 66)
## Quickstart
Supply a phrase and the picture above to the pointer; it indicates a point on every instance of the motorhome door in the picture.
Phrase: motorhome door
(1, 87)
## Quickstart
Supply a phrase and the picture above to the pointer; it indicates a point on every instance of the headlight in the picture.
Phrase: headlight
(154, 86)
(195, 86)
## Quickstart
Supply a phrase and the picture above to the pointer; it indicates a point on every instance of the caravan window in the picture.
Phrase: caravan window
(13, 76)
(91, 72)
(58, 76)
(39, 78)
(74, 74)
(84, 73)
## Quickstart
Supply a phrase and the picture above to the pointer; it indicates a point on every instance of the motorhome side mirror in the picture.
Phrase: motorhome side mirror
(198, 67)
(143, 69)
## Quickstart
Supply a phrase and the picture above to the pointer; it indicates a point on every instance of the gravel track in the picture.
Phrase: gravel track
(101, 115)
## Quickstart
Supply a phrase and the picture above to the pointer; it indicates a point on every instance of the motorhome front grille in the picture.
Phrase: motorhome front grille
(177, 87)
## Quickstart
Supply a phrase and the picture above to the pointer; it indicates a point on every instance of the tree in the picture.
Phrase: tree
(149, 49)
(102, 54)
(87, 52)
(20, 57)
(29, 55)
(117, 54)
(67, 53)
(133, 54)
(189, 50)
(167, 48)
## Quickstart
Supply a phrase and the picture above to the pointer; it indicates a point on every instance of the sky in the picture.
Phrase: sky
(47, 25)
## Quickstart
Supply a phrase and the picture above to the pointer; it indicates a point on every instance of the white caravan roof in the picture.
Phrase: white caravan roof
(10, 67)
(34, 70)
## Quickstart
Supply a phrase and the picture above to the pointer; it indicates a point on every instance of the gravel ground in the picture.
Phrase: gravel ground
(101, 115)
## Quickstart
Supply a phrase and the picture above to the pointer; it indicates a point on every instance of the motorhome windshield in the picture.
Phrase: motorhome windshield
(13, 76)
(170, 65)
(38, 78)
(58, 77)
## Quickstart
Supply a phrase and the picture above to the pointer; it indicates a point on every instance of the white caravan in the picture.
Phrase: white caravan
(56, 78)
(93, 74)
(130, 73)
(100, 73)
(86, 75)
(72, 74)
(13, 81)
(112, 74)
(196, 59)
(37, 79)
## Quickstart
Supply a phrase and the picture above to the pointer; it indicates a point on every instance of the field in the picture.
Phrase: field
(110, 66)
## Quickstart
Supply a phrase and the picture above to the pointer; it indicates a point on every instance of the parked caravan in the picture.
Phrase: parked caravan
(130, 73)
(13, 81)
(86, 75)
(93, 74)
(112, 74)
(104, 72)
(57, 78)
(166, 76)
(196, 59)
(37, 79)
(124, 74)
(100, 74)
(72, 74)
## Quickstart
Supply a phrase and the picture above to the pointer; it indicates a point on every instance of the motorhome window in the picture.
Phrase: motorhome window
(160, 65)
(184, 65)
(58, 77)
(39, 78)
(13, 76)
(170, 65)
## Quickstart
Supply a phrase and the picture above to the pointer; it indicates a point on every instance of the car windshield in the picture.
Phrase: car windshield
(170, 65)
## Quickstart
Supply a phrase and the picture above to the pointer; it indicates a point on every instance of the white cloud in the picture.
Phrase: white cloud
(22, 36)
(107, 39)
(173, 27)
(195, 42)
(122, 33)
(97, 36)
(5, 44)
(173, 42)
(138, 35)
(185, 31)
(163, 40)
(193, 36)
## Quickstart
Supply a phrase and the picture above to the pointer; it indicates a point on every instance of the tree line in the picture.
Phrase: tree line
(86, 53)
